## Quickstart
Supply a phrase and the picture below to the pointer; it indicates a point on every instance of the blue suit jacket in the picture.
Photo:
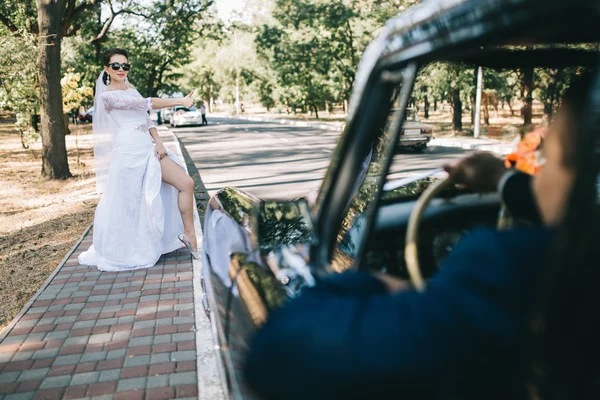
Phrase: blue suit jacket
(465, 335)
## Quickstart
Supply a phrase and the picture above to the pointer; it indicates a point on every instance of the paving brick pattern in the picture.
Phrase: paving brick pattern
(106, 335)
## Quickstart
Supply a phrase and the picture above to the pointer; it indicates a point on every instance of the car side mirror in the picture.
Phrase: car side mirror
(281, 222)
(282, 235)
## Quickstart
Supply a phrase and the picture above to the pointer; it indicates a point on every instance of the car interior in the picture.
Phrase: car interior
(455, 212)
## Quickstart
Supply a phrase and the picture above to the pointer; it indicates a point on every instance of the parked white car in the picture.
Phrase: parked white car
(181, 116)
(165, 115)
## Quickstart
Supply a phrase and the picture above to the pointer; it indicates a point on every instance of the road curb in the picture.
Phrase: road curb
(490, 145)
(209, 380)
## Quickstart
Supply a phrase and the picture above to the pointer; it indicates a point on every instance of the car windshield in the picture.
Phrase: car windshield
(181, 108)
(447, 113)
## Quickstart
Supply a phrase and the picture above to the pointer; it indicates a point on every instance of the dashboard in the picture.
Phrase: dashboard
(444, 224)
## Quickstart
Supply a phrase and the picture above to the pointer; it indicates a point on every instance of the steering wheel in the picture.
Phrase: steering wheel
(411, 256)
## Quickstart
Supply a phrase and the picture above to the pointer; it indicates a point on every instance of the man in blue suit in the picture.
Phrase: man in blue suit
(361, 336)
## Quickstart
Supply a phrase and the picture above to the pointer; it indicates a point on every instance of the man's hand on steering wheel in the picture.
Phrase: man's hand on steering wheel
(479, 171)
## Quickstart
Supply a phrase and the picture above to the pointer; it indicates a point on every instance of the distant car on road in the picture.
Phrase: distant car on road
(181, 116)
(165, 115)
(414, 133)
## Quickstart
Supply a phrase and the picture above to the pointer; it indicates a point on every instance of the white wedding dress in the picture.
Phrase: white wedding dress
(137, 219)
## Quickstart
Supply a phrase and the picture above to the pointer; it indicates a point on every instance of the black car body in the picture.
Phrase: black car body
(276, 248)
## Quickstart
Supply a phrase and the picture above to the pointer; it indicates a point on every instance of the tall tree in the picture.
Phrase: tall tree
(452, 82)
(50, 28)
(315, 47)
(527, 95)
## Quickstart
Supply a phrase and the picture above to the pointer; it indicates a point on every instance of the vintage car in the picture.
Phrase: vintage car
(414, 133)
(258, 253)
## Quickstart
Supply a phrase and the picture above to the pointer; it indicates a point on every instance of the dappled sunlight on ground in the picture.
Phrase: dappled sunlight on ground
(39, 219)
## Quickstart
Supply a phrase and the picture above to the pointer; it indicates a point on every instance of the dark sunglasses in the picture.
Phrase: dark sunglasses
(116, 66)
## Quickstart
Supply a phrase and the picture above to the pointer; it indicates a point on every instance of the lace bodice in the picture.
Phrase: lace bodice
(128, 108)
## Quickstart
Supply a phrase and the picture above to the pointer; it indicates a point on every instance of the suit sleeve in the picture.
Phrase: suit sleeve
(461, 332)
(517, 194)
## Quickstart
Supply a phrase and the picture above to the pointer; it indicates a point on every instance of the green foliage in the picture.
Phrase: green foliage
(314, 47)
(18, 75)
(20, 15)
(551, 85)
(74, 94)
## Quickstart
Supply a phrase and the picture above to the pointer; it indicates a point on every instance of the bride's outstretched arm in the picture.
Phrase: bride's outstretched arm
(121, 102)
(186, 101)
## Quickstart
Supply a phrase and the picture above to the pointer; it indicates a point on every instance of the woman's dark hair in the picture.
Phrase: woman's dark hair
(565, 329)
(108, 54)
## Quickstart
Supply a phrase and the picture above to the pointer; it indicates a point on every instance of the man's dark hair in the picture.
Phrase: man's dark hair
(108, 54)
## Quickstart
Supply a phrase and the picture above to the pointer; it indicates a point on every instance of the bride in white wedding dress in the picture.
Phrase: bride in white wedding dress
(147, 206)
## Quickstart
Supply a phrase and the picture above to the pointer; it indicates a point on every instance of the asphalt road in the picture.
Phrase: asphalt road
(278, 161)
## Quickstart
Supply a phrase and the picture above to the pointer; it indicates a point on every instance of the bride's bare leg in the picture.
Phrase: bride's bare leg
(174, 175)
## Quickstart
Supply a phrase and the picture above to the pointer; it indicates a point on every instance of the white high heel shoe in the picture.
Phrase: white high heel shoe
(195, 253)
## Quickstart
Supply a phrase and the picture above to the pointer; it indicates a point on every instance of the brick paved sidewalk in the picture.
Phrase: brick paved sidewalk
(105, 335)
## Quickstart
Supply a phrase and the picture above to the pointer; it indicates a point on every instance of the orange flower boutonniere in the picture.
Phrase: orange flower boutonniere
(527, 157)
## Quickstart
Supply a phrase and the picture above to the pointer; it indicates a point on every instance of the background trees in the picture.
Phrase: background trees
(19, 81)
(314, 47)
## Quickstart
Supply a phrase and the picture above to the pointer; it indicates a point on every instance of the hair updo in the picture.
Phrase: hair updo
(106, 60)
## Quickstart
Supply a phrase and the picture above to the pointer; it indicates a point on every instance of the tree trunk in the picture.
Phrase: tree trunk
(426, 107)
(435, 102)
(316, 111)
(457, 107)
(474, 95)
(66, 122)
(486, 115)
(527, 110)
(54, 150)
